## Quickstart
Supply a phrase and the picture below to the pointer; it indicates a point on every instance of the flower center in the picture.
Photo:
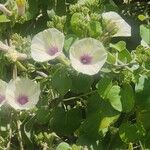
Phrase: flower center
(86, 59)
(22, 99)
(52, 51)
(2, 98)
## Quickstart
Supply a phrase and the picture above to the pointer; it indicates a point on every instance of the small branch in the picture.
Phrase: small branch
(9, 143)
(124, 65)
(19, 135)
(10, 134)
(15, 72)
(5, 10)
(79, 97)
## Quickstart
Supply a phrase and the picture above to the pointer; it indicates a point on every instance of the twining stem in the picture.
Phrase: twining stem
(15, 72)
(21, 66)
(63, 59)
(19, 134)
(79, 97)
(10, 134)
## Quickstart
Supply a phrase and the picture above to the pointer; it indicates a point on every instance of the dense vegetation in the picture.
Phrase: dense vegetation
(74, 75)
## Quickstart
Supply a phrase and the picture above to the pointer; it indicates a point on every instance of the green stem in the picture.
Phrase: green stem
(15, 72)
(79, 97)
(10, 133)
(20, 65)
(63, 59)
(126, 66)
(19, 134)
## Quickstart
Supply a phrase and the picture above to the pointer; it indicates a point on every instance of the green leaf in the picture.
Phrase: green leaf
(104, 85)
(63, 146)
(127, 98)
(145, 33)
(143, 101)
(69, 39)
(73, 120)
(125, 56)
(57, 121)
(121, 45)
(114, 97)
(131, 132)
(100, 115)
(3, 19)
(140, 85)
(111, 59)
(42, 115)
(77, 24)
(94, 29)
(107, 121)
(32, 10)
(65, 123)
(60, 7)
(110, 6)
(141, 17)
(81, 83)
(75, 147)
(61, 81)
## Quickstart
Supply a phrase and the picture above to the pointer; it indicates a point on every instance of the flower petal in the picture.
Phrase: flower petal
(45, 41)
(123, 27)
(3, 86)
(94, 49)
(22, 88)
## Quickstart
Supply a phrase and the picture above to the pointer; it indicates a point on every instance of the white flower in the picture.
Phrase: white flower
(88, 56)
(123, 28)
(3, 86)
(22, 94)
(47, 45)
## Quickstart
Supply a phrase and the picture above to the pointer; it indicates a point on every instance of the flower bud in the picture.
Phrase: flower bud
(4, 47)
(21, 4)
(14, 55)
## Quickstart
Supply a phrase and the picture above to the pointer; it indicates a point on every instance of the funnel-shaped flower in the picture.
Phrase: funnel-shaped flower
(3, 86)
(123, 29)
(47, 45)
(22, 94)
(88, 56)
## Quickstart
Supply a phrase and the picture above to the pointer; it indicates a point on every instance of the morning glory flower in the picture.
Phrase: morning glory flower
(3, 86)
(47, 45)
(22, 94)
(123, 28)
(87, 56)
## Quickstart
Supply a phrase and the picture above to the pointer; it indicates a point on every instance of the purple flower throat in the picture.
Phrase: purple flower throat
(86, 59)
(2, 98)
(22, 99)
(52, 50)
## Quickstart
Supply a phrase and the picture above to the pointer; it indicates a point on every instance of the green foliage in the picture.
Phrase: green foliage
(145, 32)
(109, 110)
